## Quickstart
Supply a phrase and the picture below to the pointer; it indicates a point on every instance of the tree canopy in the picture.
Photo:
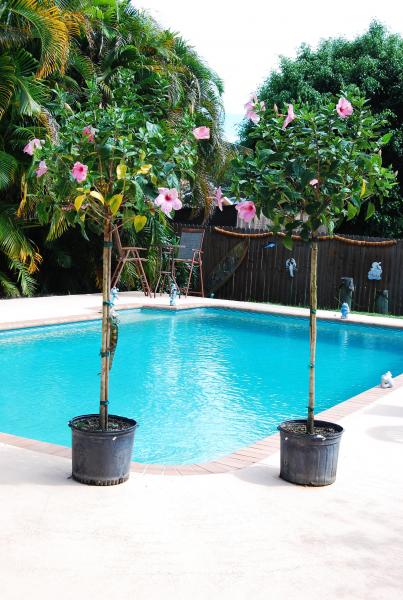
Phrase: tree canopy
(373, 63)
(62, 48)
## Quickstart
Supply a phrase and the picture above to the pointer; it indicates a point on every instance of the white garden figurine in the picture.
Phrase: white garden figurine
(387, 380)
(375, 271)
(344, 310)
(291, 266)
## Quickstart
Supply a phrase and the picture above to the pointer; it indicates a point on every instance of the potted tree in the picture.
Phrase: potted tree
(102, 170)
(312, 167)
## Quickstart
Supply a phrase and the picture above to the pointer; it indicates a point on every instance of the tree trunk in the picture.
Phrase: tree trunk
(106, 324)
(312, 333)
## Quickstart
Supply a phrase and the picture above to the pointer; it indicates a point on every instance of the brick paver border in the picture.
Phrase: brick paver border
(240, 459)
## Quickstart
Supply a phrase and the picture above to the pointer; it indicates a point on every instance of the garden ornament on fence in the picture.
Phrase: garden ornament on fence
(375, 271)
(291, 266)
(387, 380)
(344, 310)
(346, 290)
(382, 302)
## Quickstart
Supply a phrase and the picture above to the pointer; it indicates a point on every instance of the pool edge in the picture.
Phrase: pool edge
(239, 459)
(389, 322)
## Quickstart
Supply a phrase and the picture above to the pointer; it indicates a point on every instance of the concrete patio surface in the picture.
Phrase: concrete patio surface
(240, 535)
(236, 536)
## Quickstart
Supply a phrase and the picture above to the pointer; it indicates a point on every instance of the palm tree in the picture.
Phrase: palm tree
(34, 43)
(67, 44)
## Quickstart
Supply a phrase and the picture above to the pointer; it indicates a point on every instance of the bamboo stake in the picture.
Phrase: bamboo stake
(106, 325)
(312, 333)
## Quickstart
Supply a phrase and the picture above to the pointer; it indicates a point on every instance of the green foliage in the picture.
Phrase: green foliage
(342, 154)
(126, 162)
(62, 47)
(371, 64)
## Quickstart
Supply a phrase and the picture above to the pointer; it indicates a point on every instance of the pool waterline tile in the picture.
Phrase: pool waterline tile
(238, 459)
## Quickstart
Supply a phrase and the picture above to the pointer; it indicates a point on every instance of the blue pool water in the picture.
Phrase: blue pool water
(201, 383)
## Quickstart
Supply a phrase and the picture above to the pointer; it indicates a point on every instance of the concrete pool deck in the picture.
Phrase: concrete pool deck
(30, 312)
(235, 535)
(239, 535)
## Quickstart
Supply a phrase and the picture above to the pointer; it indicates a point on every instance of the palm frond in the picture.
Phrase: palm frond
(9, 288)
(7, 82)
(8, 169)
(58, 225)
(47, 23)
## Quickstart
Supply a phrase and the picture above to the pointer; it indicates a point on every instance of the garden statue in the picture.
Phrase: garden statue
(375, 271)
(291, 266)
(173, 294)
(346, 291)
(114, 296)
(387, 380)
(382, 302)
(344, 310)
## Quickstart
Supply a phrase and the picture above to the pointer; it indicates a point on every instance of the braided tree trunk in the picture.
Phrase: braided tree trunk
(106, 324)
(312, 332)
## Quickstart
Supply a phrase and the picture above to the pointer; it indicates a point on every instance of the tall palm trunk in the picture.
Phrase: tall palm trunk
(312, 332)
(106, 323)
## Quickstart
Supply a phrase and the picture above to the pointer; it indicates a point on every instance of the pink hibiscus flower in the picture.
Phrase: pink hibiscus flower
(246, 210)
(32, 146)
(290, 116)
(89, 133)
(42, 169)
(251, 107)
(201, 133)
(79, 171)
(313, 182)
(344, 108)
(168, 200)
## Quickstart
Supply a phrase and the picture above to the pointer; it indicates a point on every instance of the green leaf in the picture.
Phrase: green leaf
(114, 203)
(351, 211)
(288, 242)
(98, 196)
(78, 201)
(121, 171)
(139, 222)
(370, 210)
(385, 139)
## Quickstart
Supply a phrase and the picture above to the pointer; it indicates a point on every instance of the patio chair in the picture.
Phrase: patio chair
(130, 254)
(189, 253)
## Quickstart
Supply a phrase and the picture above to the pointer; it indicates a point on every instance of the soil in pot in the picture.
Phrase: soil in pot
(301, 428)
(92, 424)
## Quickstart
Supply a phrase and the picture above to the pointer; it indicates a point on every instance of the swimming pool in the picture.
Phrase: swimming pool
(201, 383)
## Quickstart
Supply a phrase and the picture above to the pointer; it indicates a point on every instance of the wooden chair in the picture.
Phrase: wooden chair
(130, 254)
(190, 253)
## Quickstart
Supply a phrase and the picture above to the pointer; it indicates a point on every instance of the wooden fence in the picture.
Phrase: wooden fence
(263, 277)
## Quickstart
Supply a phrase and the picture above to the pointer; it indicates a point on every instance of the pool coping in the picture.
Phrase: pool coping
(241, 458)
(130, 303)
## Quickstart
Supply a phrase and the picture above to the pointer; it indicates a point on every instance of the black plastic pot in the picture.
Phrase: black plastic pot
(309, 459)
(102, 457)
